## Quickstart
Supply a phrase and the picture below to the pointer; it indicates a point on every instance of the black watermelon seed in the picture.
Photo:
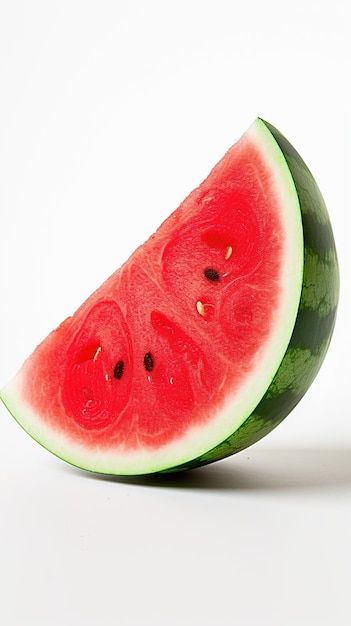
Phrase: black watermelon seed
(118, 370)
(211, 274)
(148, 362)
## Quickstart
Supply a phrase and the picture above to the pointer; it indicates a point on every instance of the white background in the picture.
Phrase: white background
(110, 113)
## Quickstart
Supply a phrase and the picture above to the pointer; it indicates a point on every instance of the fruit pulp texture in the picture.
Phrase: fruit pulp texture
(160, 345)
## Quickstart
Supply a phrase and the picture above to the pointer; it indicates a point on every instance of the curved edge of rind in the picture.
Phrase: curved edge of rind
(315, 320)
(8, 405)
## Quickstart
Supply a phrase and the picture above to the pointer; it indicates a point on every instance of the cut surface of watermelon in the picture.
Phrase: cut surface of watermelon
(169, 359)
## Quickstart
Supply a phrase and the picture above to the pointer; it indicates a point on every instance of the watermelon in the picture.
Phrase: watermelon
(208, 335)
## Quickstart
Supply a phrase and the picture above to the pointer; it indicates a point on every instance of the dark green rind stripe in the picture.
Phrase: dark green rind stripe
(314, 323)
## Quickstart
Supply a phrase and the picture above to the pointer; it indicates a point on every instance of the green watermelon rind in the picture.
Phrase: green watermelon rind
(314, 322)
(290, 375)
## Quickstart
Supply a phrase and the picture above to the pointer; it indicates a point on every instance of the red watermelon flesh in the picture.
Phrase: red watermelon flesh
(188, 326)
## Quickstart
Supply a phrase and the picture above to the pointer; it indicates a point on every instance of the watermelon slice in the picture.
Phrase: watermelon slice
(206, 338)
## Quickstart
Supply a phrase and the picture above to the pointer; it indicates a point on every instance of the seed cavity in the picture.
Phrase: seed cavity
(211, 274)
(228, 253)
(118, 370)
(148, 362)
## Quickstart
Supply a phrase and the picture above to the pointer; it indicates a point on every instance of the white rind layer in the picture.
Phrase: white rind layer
(240, 404)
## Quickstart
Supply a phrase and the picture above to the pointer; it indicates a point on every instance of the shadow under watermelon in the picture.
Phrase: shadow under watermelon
(262, 469)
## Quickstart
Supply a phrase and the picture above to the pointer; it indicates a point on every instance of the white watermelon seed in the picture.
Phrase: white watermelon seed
(228, 253)
(200, 308)
(97, 353)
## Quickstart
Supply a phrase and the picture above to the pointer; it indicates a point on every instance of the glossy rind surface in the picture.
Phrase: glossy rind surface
(314, 323)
